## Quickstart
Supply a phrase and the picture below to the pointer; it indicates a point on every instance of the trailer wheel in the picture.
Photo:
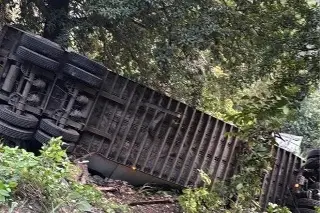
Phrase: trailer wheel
(69, 147)
(312, 163)
(42, 45)
(27, 121)
(308, 203)
(82, 75)
(303, 210)
(49, 127)
(42, 137)
(85, 63)
(315, 153)
(37, 59)
(14, 132)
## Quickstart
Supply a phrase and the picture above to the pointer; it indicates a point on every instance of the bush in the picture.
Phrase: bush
(47, 180)
(194, 200)
(274, 208)
(217, 199)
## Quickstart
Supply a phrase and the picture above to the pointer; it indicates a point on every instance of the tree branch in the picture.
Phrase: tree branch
(138, 23)
(149, 202)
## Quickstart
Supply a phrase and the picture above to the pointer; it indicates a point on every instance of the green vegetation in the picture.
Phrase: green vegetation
(274, 208)
(306, 122)
(251, 63)
(216, 198)
(46, 181)
(201, 199)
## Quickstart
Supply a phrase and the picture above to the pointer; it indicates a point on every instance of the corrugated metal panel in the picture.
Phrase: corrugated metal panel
(277, 183)
(136, 126)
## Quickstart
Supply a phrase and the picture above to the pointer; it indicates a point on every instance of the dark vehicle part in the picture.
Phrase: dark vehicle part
(24, 96)
(70, 104)
(312, 163)
(85, 63)
(69, 147)
(42, 46)
(304, 210)
(306, 191)
(308, 203)
(37, 59)
(11, 78)
(315, 153)
(82, 75)
(54, 130)
(42, 137)
(15, 132)
(315, 185)
(25, 120)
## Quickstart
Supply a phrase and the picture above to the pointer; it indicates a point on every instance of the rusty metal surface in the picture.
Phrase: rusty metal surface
(276, 183)
(170, 140)
(138, 127)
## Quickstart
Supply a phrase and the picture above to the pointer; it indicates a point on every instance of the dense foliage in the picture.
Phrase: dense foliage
(46, 181)
(202, 52)
(306, 122)
(213, 198)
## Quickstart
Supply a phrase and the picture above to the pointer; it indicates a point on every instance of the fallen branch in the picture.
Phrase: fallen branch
(83, 157)
(84, 174)
(149, 202)
(106, 189)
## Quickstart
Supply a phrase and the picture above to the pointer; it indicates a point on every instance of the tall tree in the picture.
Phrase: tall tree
(306, 122)
(175, 46)
(56, 20)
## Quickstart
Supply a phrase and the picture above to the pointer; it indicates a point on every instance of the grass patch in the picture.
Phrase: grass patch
(46, 182)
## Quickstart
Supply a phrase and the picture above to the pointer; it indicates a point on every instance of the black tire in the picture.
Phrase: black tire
(42, 45)
(27, 121)
(312, 163)
(82, 75)
(49, 127)
(69, 147)
(37, 59)
(14, 132)
(303, 210)
(308, 203)
(86, 64)
(315, 153)
(42, 137)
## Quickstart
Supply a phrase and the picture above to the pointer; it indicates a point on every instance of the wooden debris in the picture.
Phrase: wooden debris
(106, 189)
(149, 202)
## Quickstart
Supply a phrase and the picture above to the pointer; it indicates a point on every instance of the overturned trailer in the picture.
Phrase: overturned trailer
(136, 133)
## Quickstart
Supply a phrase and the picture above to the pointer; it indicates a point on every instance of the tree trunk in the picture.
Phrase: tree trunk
(3, 14)
(56, 25)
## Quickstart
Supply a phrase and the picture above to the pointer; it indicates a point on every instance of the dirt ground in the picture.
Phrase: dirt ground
(146, 199)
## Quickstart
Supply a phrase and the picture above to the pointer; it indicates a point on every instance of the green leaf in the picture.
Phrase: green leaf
(239, 186)
(205, 177)
(285, 110)
(84, 206)
(4, 193)
(13, 184)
